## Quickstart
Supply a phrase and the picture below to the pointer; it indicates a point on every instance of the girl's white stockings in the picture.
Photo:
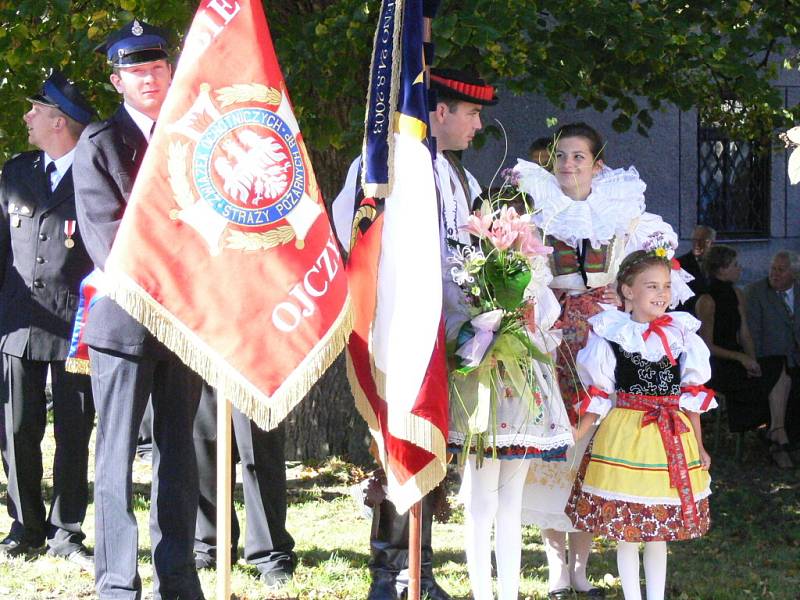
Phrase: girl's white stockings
(561, 572)
(492, 495)
(655, 569)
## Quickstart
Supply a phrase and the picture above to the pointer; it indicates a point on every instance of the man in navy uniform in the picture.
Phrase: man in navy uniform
(128, 363)
(42, 263)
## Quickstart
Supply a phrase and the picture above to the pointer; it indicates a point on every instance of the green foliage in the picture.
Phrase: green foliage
(38, 35)
(628, 57)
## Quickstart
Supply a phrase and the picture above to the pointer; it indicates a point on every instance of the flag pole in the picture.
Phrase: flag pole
(415, 512)
(223, 498)
(414, 550)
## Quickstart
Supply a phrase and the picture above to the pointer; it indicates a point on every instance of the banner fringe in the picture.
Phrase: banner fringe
(266, 411)
(79, 366)
(413, 429)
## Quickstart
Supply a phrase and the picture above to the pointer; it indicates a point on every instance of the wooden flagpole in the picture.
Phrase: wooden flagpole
(224, 498)
(415, 512)
(414, 550)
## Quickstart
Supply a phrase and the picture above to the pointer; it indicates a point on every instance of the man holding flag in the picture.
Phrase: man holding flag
(454, 120)
(224, 251)
(128, 363)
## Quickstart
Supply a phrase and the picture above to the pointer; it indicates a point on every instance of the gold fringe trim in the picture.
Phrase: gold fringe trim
(413, 429)
(364, 408)
(383, 190)
(266, 411)
(79, 366)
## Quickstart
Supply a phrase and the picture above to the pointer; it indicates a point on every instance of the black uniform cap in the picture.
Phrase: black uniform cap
(59, 92)
(134, 44)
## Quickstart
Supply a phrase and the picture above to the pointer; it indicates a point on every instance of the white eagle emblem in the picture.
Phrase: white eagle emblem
(252, 167)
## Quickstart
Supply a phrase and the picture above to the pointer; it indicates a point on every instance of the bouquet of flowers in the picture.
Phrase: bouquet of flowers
(500, 340)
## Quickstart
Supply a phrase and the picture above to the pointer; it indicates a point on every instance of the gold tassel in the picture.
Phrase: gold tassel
(79, 366)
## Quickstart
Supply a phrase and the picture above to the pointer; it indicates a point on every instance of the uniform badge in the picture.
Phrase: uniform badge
(249, 169)
(136, 28)
(15, 221)
(69, 231)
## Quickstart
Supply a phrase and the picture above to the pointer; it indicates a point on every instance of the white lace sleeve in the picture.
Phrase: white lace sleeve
(695, 371)
(596, 364)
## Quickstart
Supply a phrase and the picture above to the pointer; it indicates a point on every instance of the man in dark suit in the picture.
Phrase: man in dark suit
(268, 546)
(773, 317)
(703, 238)
(42, 262)
(128, 363)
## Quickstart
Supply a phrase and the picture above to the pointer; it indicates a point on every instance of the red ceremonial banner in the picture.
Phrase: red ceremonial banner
(225, 252)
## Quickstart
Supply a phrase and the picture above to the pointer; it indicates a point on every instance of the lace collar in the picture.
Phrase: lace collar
(617, 197)
(617, 326)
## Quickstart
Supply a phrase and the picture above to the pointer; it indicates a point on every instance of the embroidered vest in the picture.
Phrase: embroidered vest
(635, 374)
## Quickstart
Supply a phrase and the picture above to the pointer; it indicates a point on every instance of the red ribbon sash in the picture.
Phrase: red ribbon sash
(655, 326)
(665, 413)
(700, 389)
(585, 398)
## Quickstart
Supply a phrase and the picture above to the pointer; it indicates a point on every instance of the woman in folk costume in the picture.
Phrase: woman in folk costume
(496, 444)
(646, 477)
(592, 216)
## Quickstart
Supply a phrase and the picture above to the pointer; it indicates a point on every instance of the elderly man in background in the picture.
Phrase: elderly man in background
(773, 308)
(703, 237)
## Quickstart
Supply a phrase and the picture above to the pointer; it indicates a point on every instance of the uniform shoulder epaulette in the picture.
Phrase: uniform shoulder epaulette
(22, 157)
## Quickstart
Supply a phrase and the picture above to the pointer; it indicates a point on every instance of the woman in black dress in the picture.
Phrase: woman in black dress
(745, 381)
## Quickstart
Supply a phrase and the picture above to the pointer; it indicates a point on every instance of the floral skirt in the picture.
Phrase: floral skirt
(623, 490)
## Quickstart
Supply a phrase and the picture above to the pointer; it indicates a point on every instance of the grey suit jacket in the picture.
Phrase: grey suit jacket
(40, 275)
(775, 331)
(107, 159)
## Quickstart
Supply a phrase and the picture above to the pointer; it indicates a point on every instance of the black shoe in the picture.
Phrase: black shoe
(145, 455)
(560, 594)
(383, 586)
(80, 557)
(275, 579)
(13, 547)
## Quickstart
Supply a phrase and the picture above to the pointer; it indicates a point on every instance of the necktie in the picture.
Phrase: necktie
(785, 297)
(152, 130)
(48, 171)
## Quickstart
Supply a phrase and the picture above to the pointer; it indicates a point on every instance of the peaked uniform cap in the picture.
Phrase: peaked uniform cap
(59, 92)
(460, 85)
(134, 44)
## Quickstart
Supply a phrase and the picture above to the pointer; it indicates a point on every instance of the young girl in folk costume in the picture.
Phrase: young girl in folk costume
(646, 477)
(525, 420)
(593, 216)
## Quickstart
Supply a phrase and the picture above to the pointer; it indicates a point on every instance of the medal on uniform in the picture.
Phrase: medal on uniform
(69, 231)
(15, 222)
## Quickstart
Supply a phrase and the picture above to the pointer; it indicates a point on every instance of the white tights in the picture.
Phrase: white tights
(563, 573)
(655, 569)
(496, 484)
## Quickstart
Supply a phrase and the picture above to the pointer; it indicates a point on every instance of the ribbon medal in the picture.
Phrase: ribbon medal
(69, 231)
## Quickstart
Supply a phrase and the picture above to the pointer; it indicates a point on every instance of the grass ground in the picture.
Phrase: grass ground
(752, 551)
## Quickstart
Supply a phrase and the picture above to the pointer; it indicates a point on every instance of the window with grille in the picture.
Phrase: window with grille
(733, 184)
